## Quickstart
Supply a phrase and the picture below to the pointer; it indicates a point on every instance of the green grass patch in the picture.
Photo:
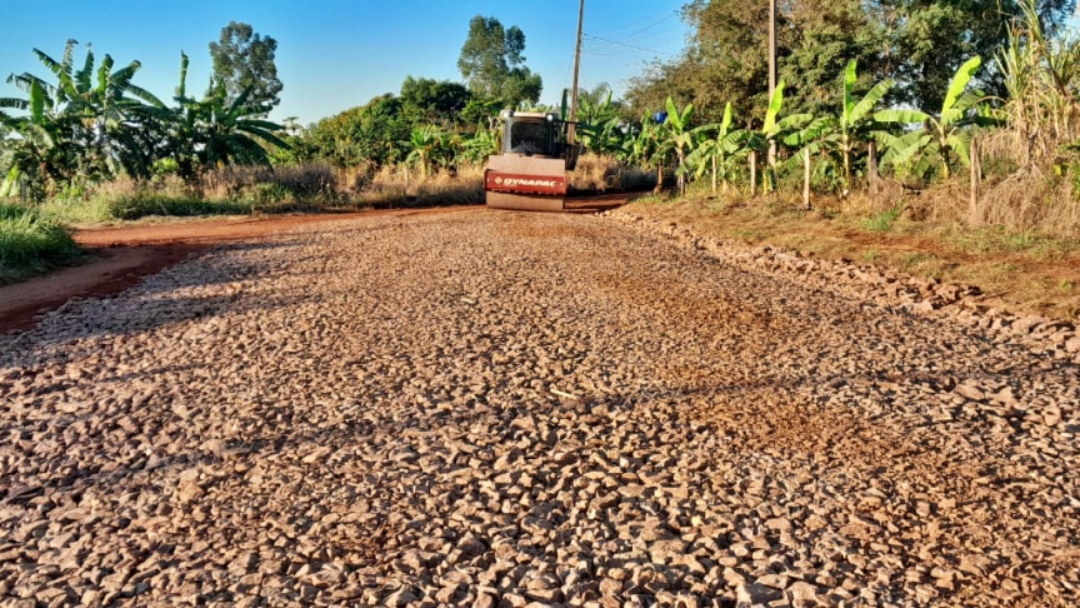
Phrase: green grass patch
(31, 244)
(145, 203)
(883, 222)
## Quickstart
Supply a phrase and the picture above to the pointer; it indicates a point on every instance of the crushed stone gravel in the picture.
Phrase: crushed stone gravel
(502, 409)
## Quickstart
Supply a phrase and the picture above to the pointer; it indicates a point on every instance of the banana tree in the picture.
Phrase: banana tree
(776, 129)
(232, 133)
(716, 152)
(676, 136)
(88, 123)
(856, 124)
(446, 150)
(483, 143)
(940, 136)
(98, 110)
(600, 129)
(423, 142)
(39, 151)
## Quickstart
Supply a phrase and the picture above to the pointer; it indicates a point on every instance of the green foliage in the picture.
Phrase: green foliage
(883, 221)
(919, 44)
(602, 130)
(145, 202)
(425, 100)
(93, 124)
(244, 60)
(931, 38)
(376, 133)
(794, 130)
(492, 62)
(423, 143)
(30, 244)
(716, 153)
(677, 137)
(932, 146)
(726, 58)
(841, 137)
(89, 124)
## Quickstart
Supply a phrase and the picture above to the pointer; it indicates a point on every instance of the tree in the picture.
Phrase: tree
(428, 100)
(726, 60)
(492, 62)
(423, 142)
(791, 130)
(244, 60)
(853, 126)
(716, 152)
(601, 128)
(375, 133)
(676, 135)
(483, 143)
(90, 124)
(940, 135)
(930, 38)
(233, 132)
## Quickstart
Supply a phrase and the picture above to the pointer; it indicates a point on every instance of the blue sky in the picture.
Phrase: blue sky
(336, 54)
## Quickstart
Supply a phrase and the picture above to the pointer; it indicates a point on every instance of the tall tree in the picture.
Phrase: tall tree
(492, 62)
(244, 60)
(429, 100)
(87, 124)
(930, 39)
(726, 58)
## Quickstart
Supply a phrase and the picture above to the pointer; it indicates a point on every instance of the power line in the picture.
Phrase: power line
(649, 27)
(629, 46)
(636, 22)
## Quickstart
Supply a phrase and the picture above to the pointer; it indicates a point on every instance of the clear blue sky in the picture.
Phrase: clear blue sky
(336, 54)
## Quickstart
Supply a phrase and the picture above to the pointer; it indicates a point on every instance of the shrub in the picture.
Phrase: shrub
(30, 244)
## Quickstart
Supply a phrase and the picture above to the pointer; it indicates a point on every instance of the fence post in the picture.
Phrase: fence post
(753, 174)
(806, 179)
(976, 170)
(872, 168)
(714, 174)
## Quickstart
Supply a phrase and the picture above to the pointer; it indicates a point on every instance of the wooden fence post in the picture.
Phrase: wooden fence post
(976, 170)
(753, 174)
(806, 179)
(872, 168)
(714, 174)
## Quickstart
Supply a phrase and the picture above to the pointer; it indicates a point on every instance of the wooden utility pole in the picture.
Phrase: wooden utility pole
(772, 71)
(806, 179)
(753, 174)
(976, 175)
(872, 168)
(572, 131)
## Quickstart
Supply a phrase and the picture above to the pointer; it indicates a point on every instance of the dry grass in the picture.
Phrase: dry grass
(601, 173)
(1022, 270)
(400, 186)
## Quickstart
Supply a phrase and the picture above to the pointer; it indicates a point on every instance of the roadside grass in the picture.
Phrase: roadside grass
(1023, 270)
(31, 244)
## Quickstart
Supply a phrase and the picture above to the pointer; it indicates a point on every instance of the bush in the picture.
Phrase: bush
(144, 203)
(31, 244)
(297, 184)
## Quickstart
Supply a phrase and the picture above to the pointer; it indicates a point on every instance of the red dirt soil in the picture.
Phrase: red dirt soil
(120, 257)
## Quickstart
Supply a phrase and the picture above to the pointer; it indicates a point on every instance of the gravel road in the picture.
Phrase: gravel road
(499, 409)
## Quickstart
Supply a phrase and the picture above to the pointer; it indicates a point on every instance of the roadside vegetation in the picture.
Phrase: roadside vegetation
(31, 243)
(964, 137)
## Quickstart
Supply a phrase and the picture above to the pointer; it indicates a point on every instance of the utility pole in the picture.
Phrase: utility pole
(772, 70)
(571, 132)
